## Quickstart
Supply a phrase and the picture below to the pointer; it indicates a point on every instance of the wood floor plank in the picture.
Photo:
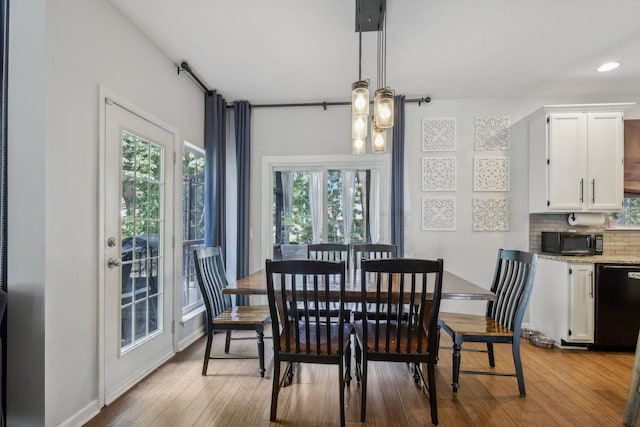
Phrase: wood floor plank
(564, 388)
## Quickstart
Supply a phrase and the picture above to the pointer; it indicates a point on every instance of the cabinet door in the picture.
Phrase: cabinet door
(550, 299)
(567, 161)
(605, 154)
(580, 303)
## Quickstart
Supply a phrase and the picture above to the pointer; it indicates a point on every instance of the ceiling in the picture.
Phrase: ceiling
(307, 51)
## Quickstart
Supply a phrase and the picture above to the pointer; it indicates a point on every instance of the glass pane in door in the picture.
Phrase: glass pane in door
(141, 207)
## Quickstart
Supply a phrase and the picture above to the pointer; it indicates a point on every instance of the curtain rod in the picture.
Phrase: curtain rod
(426, 100)
(184, 66)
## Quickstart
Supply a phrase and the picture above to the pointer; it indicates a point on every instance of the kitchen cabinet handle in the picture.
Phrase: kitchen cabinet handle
(593, 190)
(582, 190)
(591, 284)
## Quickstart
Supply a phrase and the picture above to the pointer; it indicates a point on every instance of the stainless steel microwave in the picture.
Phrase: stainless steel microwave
(566, 243)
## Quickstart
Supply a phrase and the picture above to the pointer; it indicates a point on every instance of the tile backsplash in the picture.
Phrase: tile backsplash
(616, 241)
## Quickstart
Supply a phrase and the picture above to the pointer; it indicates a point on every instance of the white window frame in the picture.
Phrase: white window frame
(271, 164)
(199, 308)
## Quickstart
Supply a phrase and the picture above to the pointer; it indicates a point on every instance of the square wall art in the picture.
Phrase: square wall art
(492, 133)
(491, 173)
(439, 134)
(439, 213)
(491, 214)
(438, 174)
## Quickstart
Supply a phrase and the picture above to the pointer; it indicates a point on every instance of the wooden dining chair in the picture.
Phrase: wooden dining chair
(329, 252)
(220, 314)
(304, 331)
(402, 336)
(291, 251)
(372, 251)
(512, 284)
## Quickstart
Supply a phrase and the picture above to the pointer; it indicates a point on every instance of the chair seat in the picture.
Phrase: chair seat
(470, 324)
(243, 315)
(312, 346)
(393, 344)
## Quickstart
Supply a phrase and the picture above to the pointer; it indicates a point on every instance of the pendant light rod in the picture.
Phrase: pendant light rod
(360, 55)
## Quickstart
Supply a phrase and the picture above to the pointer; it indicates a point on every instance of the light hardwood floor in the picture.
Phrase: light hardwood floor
(564, 388)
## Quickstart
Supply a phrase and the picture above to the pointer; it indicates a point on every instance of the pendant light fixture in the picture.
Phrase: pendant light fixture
(383, 99)
(378, 138)
(359, 107)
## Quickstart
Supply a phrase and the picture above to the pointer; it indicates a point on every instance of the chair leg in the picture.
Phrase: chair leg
(275, 389)
(363, 385)
(207, 352)
(457, 346)
(347, 360)
(260, 334)
(227, 342)
(437, 352)
(341, 385)
(515, 348)
(358, 361)
(290, 373)
(492, 361)
(431, 380)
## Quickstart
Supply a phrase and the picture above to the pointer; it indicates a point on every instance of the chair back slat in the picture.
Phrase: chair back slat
(372, 251)
(512, 285)
(300, 304)
(401, 294)
(211, 280)
(329, 252)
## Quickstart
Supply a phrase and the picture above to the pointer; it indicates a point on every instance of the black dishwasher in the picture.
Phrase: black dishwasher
(617, 307)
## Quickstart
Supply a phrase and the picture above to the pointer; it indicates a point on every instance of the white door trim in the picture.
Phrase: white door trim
(104, 94)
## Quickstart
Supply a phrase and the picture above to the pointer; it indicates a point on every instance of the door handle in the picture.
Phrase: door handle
(114, 262)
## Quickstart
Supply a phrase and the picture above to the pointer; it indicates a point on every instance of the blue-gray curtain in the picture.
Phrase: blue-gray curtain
(397, 175)
(214, 170)
(242, 122)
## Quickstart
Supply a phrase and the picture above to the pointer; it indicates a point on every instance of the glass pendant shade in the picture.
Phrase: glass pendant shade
(383, 108)
(358, 146)
(359, 126)
(378, 139)
(360, 98)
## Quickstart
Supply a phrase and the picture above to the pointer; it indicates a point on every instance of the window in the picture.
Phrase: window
(335, 199)
(193, 224)
(629, 216)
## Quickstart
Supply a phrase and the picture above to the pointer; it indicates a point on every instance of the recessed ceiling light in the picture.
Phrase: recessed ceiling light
(608, 66)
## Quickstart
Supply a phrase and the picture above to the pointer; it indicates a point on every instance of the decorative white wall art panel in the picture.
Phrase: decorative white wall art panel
(438, 174)
(439, 213)
(492, 133)
(439, 134)
(491, 214)
(491, 173)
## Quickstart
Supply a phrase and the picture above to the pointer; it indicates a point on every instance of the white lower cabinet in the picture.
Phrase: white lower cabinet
(581, 307)
(562, 303)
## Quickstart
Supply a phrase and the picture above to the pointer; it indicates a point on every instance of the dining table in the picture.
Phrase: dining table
(453, 287)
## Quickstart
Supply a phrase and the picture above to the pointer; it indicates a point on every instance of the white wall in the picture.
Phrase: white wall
(60, 52)
(469, 254)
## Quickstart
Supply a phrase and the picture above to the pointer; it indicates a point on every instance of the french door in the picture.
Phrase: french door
(138, 257)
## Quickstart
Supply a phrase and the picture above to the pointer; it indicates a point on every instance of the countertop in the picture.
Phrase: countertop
(594, 259)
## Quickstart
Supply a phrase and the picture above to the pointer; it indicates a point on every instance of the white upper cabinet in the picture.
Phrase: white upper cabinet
(576, 158)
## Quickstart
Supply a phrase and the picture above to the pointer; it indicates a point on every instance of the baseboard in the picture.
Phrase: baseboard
(82, 416)
(130, 382)
(190, 339)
